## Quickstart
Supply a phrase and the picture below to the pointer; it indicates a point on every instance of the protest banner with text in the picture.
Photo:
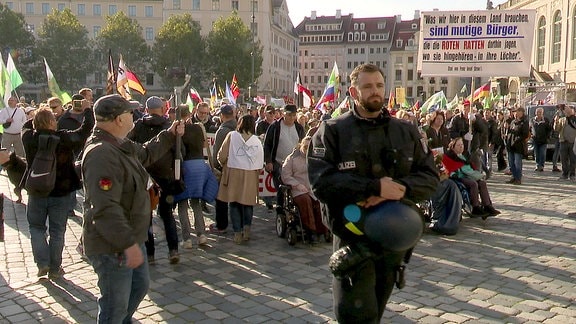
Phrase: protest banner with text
(476, 43)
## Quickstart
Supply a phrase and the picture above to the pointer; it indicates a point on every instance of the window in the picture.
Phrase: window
(96, 31)
(325, 79)
(319, 79)
(305, 52)
(148, 11)
(10, 5)
(356, 36)
(235, 5)
(149, 36)
(356, 26)
(381, 25)
(195, 4)
(305, 79)
(312, 65)
(556, 36)
(112, 9)
(411, 42)
(410, 59)
(409, 91)
(363, 36)
(61, 6)
(255, 6)
(398, 75)
(131, 11)
(81, 9)
(149, 79)
(362, 50)
(399, 43)
(176, 4)
(305, 65)
(541, 40)
(398, 60)
(350, 36)
(410, 76)
(362, 26)
(349, 65)
(29, 8)
(97, 10)
(45, 8)
(349, 51)
(356, 51)
(215, 4)
(325, 65)
(371, 50)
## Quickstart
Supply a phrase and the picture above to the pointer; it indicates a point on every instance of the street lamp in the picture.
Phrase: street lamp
(252, 29)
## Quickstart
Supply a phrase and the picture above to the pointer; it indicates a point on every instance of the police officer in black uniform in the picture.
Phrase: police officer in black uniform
(365, 156)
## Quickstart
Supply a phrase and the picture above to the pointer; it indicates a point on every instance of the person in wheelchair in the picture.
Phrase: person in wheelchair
(458, 166)
(295, 174)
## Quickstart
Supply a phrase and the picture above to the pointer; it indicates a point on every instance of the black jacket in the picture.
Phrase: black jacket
(517, 134)
(70, 141)
(540, 130)
(145, 129)
(273, 136)
(349, 154)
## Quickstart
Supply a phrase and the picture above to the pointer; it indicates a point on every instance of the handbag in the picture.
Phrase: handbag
(471, 174)
(7, 124)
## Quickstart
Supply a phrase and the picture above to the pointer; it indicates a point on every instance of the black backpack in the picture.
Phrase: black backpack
(42, 172)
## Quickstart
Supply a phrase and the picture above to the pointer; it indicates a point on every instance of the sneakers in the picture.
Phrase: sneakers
(42, 271)
(539, 169)
(202, 240)
(246, 233)
(54, 275)
(555, 169)
(174, 257)
(187, 244)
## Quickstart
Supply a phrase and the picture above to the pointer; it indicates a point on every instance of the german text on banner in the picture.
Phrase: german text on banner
(476, 43)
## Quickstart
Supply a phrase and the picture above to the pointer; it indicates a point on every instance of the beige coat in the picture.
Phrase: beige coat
(237, 185)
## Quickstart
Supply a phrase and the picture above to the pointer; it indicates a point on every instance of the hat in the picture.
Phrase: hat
(154, 102)
(227, 110)
(466, 102)
(29, 109)
(110, 106)
(290, 109)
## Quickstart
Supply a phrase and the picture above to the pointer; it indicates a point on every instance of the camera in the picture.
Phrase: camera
(77, 105)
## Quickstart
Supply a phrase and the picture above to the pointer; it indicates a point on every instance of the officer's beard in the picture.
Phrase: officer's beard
(372, 105)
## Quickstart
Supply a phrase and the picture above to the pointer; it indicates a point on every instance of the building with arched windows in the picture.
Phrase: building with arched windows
(554, 50)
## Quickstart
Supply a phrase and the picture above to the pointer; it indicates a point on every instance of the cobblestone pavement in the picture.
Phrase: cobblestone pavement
(518, 267)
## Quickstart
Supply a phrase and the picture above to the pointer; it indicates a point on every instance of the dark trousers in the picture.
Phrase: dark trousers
(221, 214)
(361, 297)
(500, 158)
(165, 212)
(568, 159)
(477, 188)
(150, 248)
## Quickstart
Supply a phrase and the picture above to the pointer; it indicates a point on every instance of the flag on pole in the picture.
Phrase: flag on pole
(234, 87)
(134, 83)
(435, 102)
(452, 104)
(122, 81)
(481, 92)
(331, 89)
(111, 78)
(301, 89)
(464, 89)
(194, 95)
(230, 95)
(189, 102)
(260, 99)
(343, 107)
(5, 85)
(53, 86)
(213, 97)
(15, 78)
(391, 101)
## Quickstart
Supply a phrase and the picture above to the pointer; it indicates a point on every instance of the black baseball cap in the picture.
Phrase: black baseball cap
(111, 106)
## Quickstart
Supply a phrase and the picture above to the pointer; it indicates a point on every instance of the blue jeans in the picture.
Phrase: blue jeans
(240, 215)
(121, 288)
(47, 250)
(515, 163)
(540, 154)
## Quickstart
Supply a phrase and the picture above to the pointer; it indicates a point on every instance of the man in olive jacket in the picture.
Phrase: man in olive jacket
(117, 206)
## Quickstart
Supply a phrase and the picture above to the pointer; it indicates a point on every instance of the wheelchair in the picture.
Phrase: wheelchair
(289, 223)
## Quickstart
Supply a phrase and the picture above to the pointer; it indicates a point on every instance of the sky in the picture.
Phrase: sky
(299, 9)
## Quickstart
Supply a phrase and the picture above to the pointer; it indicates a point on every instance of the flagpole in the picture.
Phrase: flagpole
(472, 89)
